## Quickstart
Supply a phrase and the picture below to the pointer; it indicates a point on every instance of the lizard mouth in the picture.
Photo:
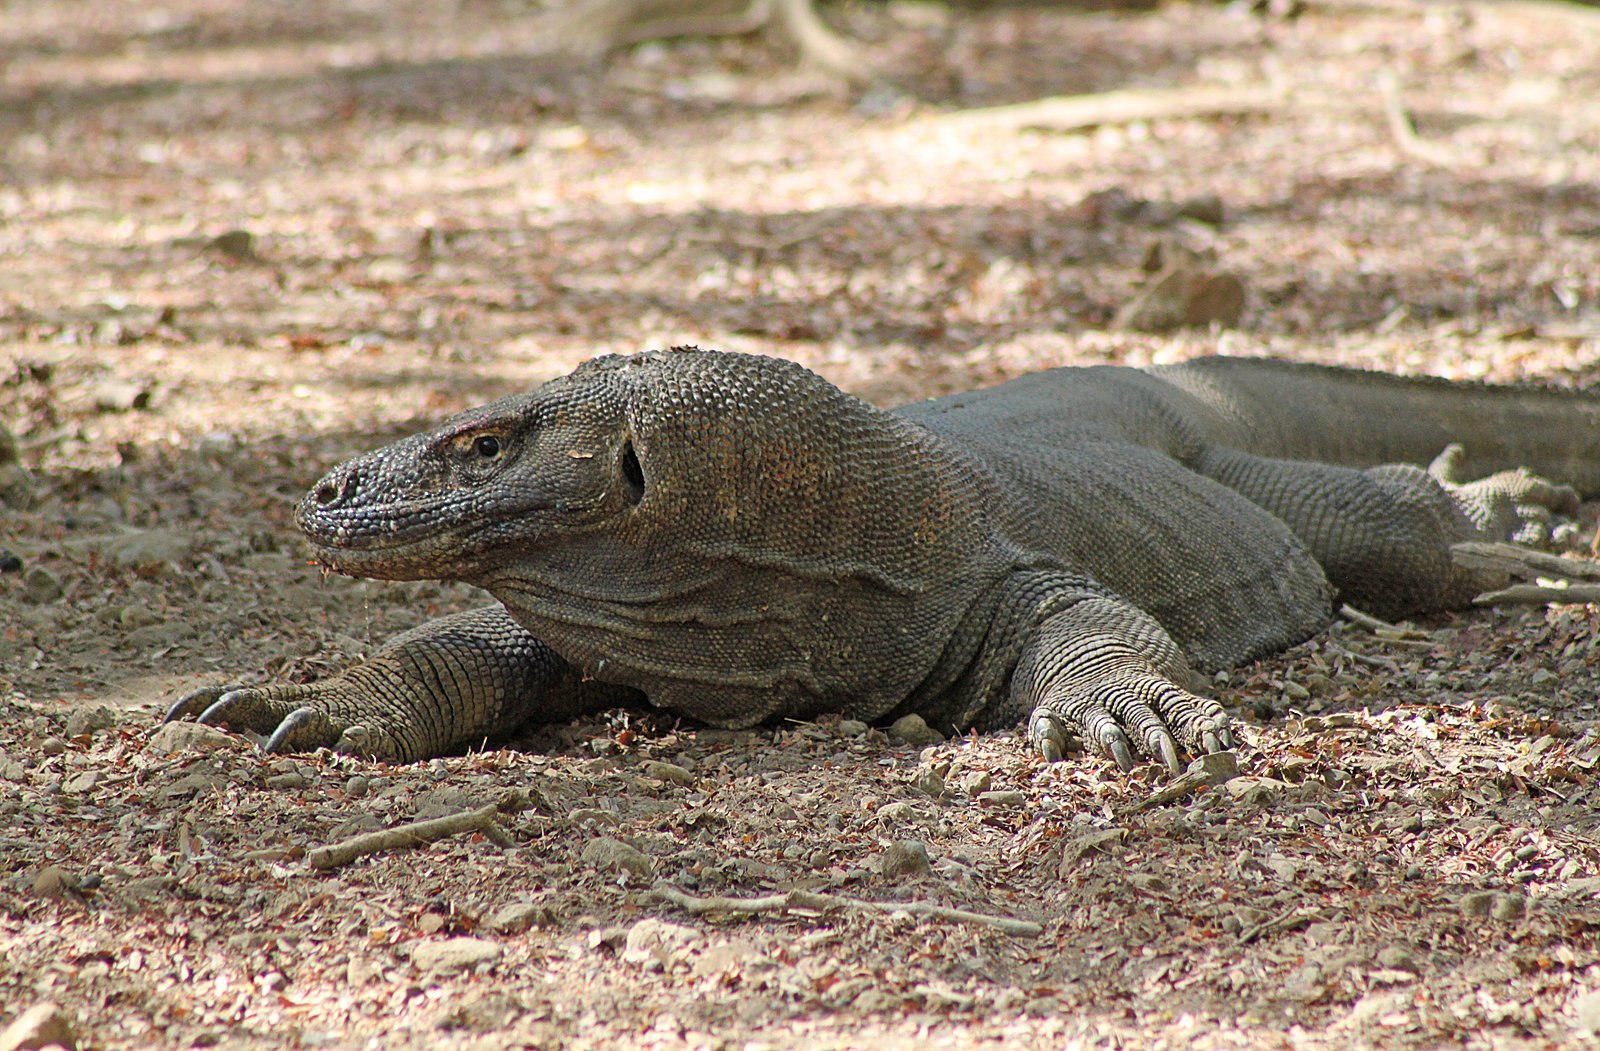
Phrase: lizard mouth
(411, 540)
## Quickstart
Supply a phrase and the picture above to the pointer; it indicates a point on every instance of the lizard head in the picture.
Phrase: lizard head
(481, 488)
(685, 510)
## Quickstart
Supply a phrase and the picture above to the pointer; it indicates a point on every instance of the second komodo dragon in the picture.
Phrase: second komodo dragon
(734, 539)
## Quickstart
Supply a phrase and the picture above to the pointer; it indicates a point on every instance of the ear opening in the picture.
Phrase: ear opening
(632, 473)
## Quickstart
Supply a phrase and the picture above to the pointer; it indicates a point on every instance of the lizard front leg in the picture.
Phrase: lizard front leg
(446, 685)
(1106, 671)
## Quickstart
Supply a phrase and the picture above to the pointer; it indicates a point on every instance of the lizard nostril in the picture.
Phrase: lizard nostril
(333, 491)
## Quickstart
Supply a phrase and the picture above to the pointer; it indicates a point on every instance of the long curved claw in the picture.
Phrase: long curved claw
(191, 704)
(1168, 751)
(303, 730)
(279, 713)
(1117, 745)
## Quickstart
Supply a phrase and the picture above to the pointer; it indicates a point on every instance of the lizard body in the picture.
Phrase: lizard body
(733, 538)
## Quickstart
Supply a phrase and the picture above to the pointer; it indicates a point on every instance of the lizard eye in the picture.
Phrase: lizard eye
(487, 447)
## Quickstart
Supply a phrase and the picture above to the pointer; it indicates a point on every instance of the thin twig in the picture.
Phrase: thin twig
(1291, 920)
(805, 899)
(1381, 628)
(421, 833)
(1404, 132)
(1385, 663)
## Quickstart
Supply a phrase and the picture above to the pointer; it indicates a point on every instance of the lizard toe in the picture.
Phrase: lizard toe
(1099, 725)
(1050, 734)
(1142, 723)
(259, 709)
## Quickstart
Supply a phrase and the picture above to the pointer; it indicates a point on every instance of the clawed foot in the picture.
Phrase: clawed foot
(1518, 505)
(1126, 721)
(285, 715)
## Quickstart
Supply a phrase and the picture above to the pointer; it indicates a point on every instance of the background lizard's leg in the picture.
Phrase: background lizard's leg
(1383, 534)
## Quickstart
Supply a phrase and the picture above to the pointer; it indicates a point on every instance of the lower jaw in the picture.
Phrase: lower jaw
(386, 565)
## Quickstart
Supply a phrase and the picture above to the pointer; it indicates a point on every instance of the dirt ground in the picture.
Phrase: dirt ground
(242, 241)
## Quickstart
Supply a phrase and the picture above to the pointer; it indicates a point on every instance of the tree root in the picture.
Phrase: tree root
(805, 899)
(421, 833)
(600, 25)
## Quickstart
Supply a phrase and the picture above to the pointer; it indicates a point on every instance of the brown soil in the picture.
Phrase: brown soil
(243, 241)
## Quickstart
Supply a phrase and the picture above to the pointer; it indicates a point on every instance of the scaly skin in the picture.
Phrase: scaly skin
(734, 539)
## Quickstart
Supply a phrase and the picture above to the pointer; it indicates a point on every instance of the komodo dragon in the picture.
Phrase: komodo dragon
(734, 539)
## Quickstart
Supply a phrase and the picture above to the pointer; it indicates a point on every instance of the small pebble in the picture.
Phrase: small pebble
(89, 720)
(235, 244)
(1508, 907)
(42, 586)
(909, 857)
(52, 881)
(454, 954)
(1398, 958)
(518, 916)
(915, 731)
(668, 772)
(977, 783)
(928, 780)
(613, 855)
(899, 813)
(43, 1025)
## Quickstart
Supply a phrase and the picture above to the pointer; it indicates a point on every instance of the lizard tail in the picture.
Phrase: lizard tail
(1359, 419)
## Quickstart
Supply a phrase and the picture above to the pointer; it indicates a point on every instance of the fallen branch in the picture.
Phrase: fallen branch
(421, 833)
(1076, 112)
(1559, 579)
(819, 44)
(805, 899)
(1213, 769)
(1540, 595)
(1523, 562)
